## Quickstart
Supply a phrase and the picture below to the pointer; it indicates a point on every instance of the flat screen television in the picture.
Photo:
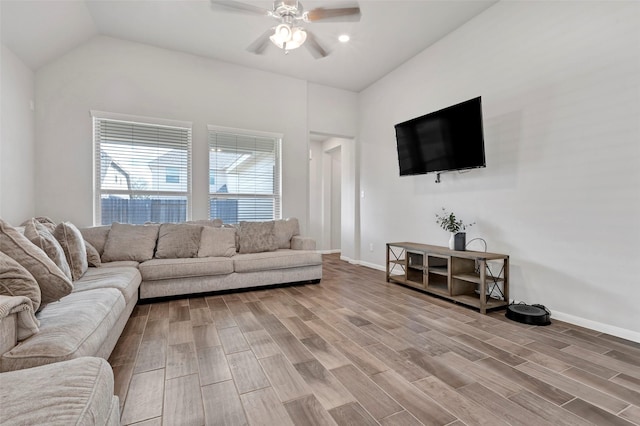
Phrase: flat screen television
(448, 139)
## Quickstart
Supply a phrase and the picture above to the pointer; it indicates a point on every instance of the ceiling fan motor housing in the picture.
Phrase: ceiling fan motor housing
(288, 8)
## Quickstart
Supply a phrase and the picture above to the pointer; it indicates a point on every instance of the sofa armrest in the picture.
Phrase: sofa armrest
(302, 243)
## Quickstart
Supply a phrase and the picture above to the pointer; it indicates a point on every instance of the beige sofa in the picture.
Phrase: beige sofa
(89, 321)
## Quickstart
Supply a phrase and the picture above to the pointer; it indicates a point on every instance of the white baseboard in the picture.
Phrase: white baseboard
(351, 261)
(373, 266)
(623, 333)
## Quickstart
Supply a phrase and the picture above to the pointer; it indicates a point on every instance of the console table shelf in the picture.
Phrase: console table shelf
(460, 276)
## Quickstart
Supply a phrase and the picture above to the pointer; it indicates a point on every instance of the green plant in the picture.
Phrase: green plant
(448, 222)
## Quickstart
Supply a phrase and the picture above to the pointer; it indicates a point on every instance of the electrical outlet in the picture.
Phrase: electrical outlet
(370, 246)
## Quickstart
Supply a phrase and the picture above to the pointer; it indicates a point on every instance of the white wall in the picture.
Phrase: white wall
(113, 75)
(560, 84)
(17, 140)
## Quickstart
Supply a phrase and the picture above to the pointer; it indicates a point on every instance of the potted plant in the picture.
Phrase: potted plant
(449, 222)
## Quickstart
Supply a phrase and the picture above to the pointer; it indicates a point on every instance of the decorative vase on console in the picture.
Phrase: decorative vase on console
(448, 222)
(452, 241)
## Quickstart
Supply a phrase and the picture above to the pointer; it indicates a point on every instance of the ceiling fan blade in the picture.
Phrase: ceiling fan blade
(314, 47)
(345, 14)
(242, 7)
(261, 43)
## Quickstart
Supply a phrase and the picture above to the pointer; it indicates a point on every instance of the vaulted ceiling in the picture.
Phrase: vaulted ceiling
(388, 34)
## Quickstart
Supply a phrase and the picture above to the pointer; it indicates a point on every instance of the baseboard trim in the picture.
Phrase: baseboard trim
(623, 333)
(373, 266)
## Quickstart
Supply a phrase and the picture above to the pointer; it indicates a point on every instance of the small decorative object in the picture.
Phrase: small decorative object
(448, 222)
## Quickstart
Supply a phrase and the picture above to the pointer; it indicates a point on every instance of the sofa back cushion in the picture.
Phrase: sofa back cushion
(217, 242)
(39, 235)
(130, 242)
(53, 283)
(17, 281)
(178, 240)
(256, 237)
(75, 251)
(284, 230)
(214, 223)
(97, 236)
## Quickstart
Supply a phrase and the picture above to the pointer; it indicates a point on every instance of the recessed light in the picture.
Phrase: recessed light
(344, 38)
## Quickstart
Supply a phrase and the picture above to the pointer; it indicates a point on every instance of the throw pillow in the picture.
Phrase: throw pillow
(17, 281)
(93, 257)
(53, 284)
(130, 242)
(75, 251)
(39, 235)
(284, 230)
(43, 220)
(256, 237)
(178, 241)
(217, 242)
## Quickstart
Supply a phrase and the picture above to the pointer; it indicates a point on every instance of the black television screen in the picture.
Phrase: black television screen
(449, 139)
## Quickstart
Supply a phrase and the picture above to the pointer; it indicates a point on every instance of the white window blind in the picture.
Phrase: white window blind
(244, 175)
(142, 171)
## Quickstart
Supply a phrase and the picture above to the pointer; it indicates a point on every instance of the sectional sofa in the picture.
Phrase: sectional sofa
(131, 263)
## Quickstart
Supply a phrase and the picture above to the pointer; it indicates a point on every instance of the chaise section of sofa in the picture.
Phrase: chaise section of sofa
(87, 322)
(75, 392)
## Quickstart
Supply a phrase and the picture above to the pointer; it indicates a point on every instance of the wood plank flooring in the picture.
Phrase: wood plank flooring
(356, 350)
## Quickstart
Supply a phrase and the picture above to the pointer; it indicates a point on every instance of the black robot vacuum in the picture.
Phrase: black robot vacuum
(529, 314)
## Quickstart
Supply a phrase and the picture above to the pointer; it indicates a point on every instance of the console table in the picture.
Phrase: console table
(473, 278)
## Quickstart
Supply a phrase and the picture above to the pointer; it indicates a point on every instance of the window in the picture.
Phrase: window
(171, 175)
(142, 169)
(244, 175)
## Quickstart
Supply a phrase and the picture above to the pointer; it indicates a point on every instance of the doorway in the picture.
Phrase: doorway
(330, 191)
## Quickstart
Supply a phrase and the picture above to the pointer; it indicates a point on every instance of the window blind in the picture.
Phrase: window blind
(244, 176)
(143, 172)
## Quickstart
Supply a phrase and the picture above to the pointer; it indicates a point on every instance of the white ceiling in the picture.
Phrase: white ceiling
(388, 34)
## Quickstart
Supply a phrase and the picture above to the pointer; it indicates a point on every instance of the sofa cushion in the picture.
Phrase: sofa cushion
(40, 235)
(124, 278)
(160, 269)
(76, 392)
(130, 242)
(53, 283)
(213, 223)
(119, 263)
(284, 230)
(17, 281)
(97, 236)
(256, 237)
(217, 242)
(178, 240)
(280, 259)
(93, 257)
(75, 326)
(75, 251)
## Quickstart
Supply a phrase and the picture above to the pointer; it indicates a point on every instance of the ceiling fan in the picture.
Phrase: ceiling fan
(289, 34)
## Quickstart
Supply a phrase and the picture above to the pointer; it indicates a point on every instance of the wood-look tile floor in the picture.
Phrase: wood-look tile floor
(356, 350)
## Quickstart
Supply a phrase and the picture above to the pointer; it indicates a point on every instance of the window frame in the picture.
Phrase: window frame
(277, 194)
(143, 121)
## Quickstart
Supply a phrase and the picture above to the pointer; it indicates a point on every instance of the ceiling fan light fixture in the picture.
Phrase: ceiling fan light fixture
(287, 37)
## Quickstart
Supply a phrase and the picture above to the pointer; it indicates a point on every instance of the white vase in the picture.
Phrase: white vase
(452, 241)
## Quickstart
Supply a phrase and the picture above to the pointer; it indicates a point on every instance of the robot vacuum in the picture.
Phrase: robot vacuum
(529, 314)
